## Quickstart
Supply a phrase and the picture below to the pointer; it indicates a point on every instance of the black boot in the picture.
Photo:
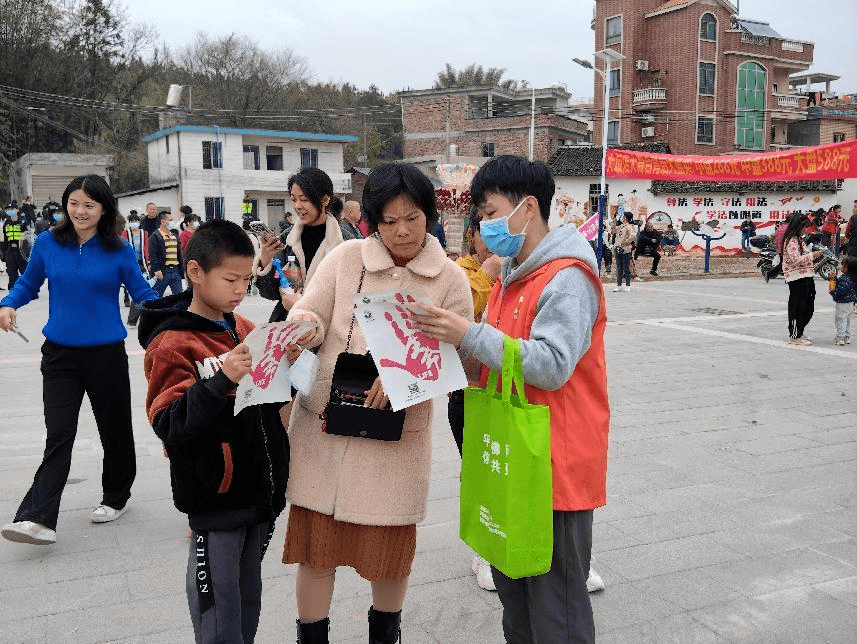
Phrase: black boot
(314, 632)
(384, 627)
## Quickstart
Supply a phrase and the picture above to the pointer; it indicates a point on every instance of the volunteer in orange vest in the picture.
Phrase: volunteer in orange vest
(550, 297)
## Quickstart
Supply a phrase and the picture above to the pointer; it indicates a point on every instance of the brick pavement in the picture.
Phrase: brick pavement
(731, 515)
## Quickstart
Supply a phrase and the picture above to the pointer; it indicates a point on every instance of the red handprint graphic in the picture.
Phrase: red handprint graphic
(422, 353)
(275, 348)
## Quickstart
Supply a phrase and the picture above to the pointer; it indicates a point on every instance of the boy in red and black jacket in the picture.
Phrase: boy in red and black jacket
(228, 471)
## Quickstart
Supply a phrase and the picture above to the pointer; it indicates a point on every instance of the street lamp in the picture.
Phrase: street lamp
(607, 56)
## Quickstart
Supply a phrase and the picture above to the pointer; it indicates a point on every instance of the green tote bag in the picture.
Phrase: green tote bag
(506, 503)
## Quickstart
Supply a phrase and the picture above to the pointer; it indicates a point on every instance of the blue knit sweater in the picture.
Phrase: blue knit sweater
(83, 283)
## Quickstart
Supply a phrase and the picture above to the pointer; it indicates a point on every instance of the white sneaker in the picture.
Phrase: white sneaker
(105, 514)
(627, 289)
(616, 289)
(29, 532)
(482, 570)
(594, 583)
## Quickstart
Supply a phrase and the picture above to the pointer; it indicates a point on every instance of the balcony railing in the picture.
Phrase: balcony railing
(650, 94)
(788, 101)
(750, 39)
(792, 45)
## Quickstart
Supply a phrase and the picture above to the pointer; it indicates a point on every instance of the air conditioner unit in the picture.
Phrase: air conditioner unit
(642, 65)
(648, 131)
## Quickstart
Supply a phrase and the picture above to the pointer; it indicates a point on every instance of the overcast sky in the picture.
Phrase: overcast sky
(398, 44)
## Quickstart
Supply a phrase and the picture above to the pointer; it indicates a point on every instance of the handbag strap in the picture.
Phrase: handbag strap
(512, 370)
(351, 327)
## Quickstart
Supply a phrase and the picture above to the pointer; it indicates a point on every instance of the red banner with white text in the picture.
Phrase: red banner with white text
(832, 161)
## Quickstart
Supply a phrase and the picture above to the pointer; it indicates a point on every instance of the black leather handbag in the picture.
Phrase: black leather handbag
(345, 415)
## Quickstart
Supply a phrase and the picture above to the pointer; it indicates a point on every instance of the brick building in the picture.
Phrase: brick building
(698, 76)
(485, 121)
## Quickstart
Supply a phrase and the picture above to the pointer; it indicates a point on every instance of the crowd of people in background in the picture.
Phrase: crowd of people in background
(355, 507)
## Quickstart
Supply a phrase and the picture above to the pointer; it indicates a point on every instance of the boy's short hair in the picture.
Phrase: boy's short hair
(161, 216)
(850, 263)
(215, 240)
(515, 178)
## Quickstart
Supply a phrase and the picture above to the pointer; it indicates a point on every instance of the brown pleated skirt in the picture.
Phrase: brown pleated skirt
(377, 553)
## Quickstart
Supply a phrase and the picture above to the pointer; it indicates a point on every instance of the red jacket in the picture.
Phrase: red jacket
(579, 410)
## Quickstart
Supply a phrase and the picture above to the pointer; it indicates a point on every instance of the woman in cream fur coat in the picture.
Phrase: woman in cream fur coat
(356, 501)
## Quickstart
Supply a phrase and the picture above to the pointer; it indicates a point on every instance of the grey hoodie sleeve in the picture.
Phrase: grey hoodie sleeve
(560, 335)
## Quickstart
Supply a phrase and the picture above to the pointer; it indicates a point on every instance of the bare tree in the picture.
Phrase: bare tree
(233, 73)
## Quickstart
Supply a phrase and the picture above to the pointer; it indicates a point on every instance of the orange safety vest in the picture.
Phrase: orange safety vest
(579, 410)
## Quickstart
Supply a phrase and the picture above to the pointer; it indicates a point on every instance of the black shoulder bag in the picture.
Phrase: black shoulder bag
(345, 415)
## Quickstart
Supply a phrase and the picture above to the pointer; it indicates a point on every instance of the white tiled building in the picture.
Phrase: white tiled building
(211, 169)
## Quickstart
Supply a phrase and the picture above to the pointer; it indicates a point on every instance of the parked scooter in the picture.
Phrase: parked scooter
(769, 260)
(826, 265)
(770, 264)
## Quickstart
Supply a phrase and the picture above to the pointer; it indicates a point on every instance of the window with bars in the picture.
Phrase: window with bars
(212, 155)
(251, 157)
(613, 133)
(487, 148)
(704, 129)
(708, 27)
(706, 78)
(309, 158)
(750, 103)
(614, 30)
(213, 208)
(615, 82)
(594, 192)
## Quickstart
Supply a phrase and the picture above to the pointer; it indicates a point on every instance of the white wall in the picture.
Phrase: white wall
(166, 198)
(233, 181)
(766, 209)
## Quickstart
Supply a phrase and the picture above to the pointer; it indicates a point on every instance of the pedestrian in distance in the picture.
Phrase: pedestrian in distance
(85, 263)
(350, 222)
(165, 257)
(190, 222)
(843, 290)
(626, 232)
(228, 470)
(551, 299)
(138, 239)
(798, 270)
(14, 230)
(356, 501)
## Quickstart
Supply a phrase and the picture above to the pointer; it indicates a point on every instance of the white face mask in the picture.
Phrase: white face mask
(134, 224)
(195, 225)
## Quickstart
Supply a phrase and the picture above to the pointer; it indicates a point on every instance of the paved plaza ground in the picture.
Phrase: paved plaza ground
(731, 514)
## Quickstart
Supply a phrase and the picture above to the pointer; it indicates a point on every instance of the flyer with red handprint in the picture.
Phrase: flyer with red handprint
(268, 380)
(413, 367)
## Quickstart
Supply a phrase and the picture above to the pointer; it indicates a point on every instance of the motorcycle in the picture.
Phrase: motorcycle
(770, 266)
(826, 266)
(769, 260)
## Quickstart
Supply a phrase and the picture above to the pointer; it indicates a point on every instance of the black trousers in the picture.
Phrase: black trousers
(652, 252)
(455, 411)
(15, 265)
(553, 607)
(801, 305)
(67, 373)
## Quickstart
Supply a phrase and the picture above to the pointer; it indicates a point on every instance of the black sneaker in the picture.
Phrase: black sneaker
(653, 273)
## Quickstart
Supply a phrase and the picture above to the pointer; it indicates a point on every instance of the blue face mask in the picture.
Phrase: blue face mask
(497, 238)
(57, 216)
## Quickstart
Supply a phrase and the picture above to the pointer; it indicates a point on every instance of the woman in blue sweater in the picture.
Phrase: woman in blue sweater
(85, 263)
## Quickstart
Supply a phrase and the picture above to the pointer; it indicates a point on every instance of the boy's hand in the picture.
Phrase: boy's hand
(238, 363)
